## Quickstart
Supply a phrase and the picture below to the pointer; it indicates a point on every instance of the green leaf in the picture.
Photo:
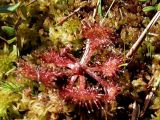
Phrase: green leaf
(13, 55)
(10, 31)
(149, 8)
(123, 65)
(9, 8)
(100, 8)
(23, 13)
(11, 40)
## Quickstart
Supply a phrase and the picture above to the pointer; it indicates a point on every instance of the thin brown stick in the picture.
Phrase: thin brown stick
(140, 39)
(131, 52)
(3, 39)
(136, 111)
(95, 10)
(156, 82)
(31, 2)
(71, 14)
(102, 21)
(146, 103)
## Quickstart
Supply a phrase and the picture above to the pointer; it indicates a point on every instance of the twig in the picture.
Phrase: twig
(31, 2)
(131, 53)
(3, 39)
(71, 14)
(120, 11)
(102, 21)
(151, 93)
(95, 10)
(140, 39)
(146, 103)
(153, 34)
(136, 111)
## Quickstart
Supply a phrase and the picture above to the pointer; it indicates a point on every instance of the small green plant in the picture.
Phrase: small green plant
(155, 5)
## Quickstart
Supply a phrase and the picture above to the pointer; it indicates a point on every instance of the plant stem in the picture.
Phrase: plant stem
(102, 21)
(31, 2)
(3, 39)
(100, 8)
(140, 39)
(95, 10)
(66, 17)
(136, 110)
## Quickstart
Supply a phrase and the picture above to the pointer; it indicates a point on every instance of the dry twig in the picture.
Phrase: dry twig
(95, 10)
(136, 111)
(102, 21)
(31, 2)
(140, 39)
(3, 39)
(71, 14)
(156, 82)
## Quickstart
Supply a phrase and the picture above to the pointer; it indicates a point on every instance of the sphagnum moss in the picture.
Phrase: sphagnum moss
(68, 64)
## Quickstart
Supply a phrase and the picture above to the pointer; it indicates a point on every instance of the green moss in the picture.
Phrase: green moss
(67, 34)
(7, 102)
(7, 64)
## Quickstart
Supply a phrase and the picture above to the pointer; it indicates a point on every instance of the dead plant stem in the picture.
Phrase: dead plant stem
(103, 20)
(140, 39)
(66, 17)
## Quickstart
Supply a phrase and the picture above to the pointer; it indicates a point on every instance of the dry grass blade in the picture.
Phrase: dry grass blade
(3, 39)
(102, 21)
(95, 10)
(146, 103)
(140, 39)
(71, 14)
(156, 82)
(31, 2)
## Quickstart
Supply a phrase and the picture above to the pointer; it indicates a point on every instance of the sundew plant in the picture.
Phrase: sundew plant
(79, 59)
